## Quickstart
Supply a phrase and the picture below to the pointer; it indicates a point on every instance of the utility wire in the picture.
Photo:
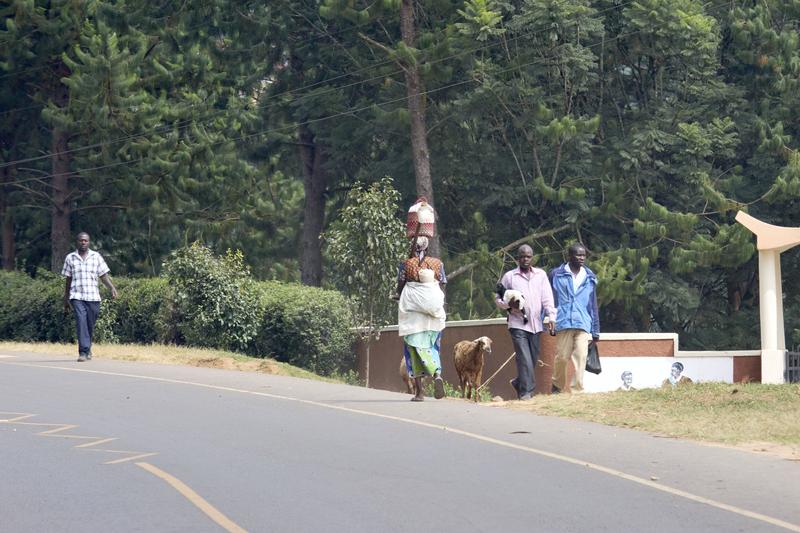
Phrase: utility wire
(49, 64)
(180, 125)
(335, 115)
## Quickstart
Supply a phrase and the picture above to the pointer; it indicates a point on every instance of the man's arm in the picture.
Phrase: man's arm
(401, 280)
(552, 278)
(595, 315)
(548, 302)
(499, 289)
(67, 285)
(106, 279)
(442, 280)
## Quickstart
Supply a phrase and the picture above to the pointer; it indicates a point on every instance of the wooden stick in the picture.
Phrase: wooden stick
(496, 372)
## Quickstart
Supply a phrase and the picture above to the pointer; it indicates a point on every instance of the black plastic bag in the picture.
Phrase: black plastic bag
(593, 359)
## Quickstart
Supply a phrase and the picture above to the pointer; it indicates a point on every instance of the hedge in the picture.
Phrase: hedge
(305, 326)
(141, 314)
(33, 310)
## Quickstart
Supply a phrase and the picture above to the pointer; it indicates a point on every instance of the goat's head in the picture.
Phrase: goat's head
(485, 343)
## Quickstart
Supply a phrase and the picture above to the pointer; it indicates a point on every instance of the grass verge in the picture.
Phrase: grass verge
(753, 416)
(170, 355)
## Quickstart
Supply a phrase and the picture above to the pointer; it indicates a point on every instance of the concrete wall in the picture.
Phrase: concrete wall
(386, 353)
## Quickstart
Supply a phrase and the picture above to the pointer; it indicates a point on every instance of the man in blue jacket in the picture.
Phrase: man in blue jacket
(577, 320)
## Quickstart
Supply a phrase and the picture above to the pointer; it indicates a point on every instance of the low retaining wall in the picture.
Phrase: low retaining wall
(648, 356)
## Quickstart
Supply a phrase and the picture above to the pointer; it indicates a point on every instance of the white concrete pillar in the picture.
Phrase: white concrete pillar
(773, 363)
(779, 302)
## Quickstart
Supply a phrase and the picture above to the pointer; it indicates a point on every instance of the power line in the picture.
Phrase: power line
(191, 28)
(180, 125)
(337, 115)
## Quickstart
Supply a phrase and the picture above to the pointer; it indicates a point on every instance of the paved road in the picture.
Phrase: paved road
(211, 450)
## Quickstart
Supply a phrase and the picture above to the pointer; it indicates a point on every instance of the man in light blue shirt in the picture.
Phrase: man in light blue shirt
(577, 319)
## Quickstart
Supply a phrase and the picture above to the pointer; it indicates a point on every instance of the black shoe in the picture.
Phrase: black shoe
(555, 390)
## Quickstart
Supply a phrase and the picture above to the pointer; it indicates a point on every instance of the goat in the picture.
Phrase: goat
(468, 356)
(408, 380)
(514, 300)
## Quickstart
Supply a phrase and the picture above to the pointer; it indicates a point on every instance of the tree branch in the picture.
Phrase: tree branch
(110, 206)
(389, 52)
(510, 246)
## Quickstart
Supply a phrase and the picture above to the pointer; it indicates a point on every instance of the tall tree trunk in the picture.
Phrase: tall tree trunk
(315, 181)
(416, 110)
(60, 234)
(7, 221)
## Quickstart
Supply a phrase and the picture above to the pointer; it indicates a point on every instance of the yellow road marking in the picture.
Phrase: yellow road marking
(62, 427)
(223, 521)
(58, 428)
(544, 453)
(45, 424)
(126, 459)
(14, 420)
(101, 441)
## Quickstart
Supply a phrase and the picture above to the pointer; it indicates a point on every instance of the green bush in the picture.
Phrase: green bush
(203, 300)
(215, 301)
(12, 287)
(305, 326)
(32, 309)
(140, 314)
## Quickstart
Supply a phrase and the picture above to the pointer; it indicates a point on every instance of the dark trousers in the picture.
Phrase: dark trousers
(526, 344)
(85, 318)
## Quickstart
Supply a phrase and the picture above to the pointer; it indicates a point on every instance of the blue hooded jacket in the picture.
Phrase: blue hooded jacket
(576, 309)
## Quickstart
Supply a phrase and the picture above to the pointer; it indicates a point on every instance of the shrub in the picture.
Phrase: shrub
(205, 301)
(140, 314)
(215, 301)
(12, 287)
(33, 309)
(305, 326)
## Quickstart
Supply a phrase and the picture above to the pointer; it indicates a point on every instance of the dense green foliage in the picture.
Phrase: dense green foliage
(142, 313)
(34, 311)
(304, 326)
(639, 128)
(203, 300)
(215, 299)
(365, 245)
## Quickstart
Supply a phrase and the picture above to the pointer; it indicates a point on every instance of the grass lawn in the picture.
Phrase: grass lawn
(752, 416)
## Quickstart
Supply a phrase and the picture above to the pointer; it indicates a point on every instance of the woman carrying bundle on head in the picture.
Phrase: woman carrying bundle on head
(421, 316)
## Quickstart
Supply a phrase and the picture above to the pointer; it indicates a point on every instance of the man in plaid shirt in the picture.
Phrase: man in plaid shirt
(81, 270)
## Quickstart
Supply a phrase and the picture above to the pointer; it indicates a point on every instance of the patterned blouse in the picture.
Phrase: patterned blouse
(409, 269)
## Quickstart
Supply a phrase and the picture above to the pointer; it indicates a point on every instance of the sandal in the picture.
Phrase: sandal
(438, 387)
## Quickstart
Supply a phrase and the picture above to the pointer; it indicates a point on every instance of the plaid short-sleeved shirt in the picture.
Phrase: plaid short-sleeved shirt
(84, 274)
